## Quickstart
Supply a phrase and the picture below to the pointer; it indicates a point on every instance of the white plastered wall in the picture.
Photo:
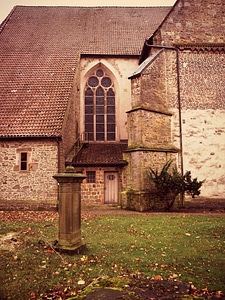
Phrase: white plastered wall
(203, 140)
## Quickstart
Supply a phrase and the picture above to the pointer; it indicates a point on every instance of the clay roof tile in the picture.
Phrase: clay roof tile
(39, 50)
(101, 154)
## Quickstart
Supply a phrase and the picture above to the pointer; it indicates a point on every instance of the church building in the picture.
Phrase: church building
(112, 91)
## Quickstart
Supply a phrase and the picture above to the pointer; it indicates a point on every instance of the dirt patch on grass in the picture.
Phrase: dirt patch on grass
(9, 241)
(146, 289)
(143, 289)
(137, 289)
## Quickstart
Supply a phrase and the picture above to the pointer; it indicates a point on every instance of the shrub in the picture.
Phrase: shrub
(169, 184)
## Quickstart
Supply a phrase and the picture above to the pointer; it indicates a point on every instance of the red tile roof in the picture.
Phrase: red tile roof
(39, 49)
(100, 154)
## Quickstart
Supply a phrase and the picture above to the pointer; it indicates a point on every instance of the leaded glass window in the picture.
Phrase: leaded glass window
(100, 120)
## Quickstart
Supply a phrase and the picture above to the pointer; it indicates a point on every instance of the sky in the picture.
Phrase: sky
(7, 5)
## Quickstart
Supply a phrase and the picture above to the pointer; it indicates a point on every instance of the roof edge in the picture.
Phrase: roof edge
(5, 21)
(145, 49)
(145, 64)
(29, 137)
(91, 164)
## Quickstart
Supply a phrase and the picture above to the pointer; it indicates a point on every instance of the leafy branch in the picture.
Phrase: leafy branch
(170, 183)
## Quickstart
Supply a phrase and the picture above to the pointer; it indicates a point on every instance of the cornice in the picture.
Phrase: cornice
(202, 47)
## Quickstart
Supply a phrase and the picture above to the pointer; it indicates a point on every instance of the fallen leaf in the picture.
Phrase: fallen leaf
(158, 277)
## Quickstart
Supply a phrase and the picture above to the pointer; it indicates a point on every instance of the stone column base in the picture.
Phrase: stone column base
(71, 249)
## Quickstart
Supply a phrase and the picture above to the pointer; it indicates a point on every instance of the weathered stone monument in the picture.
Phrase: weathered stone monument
(69, 211)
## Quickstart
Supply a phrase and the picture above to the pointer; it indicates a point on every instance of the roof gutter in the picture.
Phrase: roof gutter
(97, 164)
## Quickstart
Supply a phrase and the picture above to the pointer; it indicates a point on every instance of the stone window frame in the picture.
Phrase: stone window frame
(23, 161)
(24, 156)
(100, 80)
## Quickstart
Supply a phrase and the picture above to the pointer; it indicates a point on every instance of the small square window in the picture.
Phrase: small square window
(23, 161)
(91, 176)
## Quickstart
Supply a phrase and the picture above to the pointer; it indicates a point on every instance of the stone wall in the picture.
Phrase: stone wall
(36, 185)
(27, 205)
(139, 162)
(94, 193)
(204, 148)
(153, 76)
(194, 22)
(202, 76)
(136, 200)
(149, 129)
(202, 93)
(70, 126)
(149, 124)
(147, 201)
(197, 29)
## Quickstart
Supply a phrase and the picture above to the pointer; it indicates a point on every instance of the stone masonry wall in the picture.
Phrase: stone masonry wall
(149, 124)
(204, 148)
(197, 28)
(150, 90)
(70, 126)
(202, 78)
(36, 185)
(194, 22)
(153, 76)
(138, 165)
(94, 193)
(149, 129)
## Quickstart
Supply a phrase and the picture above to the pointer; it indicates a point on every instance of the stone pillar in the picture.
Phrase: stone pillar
(69, 210)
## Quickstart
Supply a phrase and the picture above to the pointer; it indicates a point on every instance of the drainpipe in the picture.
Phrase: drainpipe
(179, 109)
(180, 121)
(179, 104)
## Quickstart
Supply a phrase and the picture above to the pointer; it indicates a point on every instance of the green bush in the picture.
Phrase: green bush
(170, 183)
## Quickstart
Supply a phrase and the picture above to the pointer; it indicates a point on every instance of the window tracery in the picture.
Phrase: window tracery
(100, 120)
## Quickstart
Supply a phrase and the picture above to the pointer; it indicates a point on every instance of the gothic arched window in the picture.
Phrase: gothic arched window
(100, 120)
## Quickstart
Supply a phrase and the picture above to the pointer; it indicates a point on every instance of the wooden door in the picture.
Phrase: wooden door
(111, 187)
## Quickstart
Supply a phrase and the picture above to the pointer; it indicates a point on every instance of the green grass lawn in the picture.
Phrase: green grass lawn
(188, 248)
